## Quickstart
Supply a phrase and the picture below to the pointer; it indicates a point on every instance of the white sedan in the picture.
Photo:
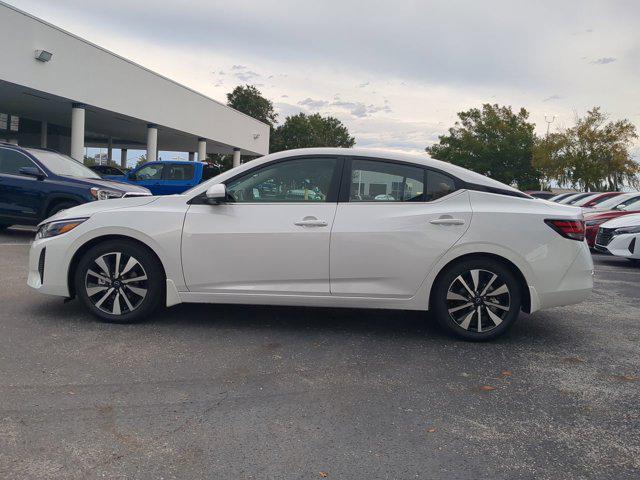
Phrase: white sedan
(620, 236)
(368, 230)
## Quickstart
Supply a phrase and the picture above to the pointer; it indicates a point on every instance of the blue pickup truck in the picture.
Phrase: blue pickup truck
(170, 177)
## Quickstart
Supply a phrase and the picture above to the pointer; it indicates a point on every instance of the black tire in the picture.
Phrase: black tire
(125, 303)
(449, 293)
(58, 207)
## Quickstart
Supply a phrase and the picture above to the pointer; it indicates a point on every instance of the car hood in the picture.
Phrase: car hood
(108, 184)
(623, 221)
(88, 209)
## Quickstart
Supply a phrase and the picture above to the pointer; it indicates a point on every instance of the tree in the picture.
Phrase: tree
(593, 155)
(303, 131)
(142, 159)
(249, 100)
(493, 141)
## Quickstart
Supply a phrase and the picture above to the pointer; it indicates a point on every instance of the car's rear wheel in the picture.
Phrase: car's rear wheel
(477, 299)
(119, 281)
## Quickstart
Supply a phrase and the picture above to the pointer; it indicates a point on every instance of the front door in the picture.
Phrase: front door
(149, 176)
(21, 196)
(272, 236)
(395, 222)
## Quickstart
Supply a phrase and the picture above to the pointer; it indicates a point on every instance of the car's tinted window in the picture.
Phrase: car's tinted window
(378, 181)
(150, 172)
(438, 185)
(11, 161)
(179, 171)
(113, 171)
(300, 180)
(209, 172)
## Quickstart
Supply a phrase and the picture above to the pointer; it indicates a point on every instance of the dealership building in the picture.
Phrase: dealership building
(60, 91)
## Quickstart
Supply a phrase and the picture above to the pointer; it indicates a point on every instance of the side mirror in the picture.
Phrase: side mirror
(216, 193)
(31, 172)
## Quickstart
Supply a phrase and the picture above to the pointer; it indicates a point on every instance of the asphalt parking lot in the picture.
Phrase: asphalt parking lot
(263, 392)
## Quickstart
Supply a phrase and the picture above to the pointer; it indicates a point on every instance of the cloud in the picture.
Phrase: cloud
(238, 67)
(552, 97)
(360, 109)
(604, 60)
(313, 104)
(362, 85)
(246, 75)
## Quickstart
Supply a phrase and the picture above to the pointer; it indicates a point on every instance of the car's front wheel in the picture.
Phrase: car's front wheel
(477, 299)
(119, 281)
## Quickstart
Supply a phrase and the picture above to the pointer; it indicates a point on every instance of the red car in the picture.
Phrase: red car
(600, 198)
(593, 221)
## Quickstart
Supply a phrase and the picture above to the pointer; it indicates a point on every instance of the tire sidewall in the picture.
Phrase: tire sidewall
(151, 265)
(439, 301)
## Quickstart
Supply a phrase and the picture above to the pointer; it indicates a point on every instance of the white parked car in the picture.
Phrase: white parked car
(620, 236)
(474, 251)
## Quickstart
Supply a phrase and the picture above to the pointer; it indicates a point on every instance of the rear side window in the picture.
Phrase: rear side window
(178, 171)
(149, 172)
(376, 181)
(438, 185)
(11, 161)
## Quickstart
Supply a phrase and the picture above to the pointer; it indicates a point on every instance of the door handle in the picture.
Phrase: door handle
(310, 222)
(447, 221)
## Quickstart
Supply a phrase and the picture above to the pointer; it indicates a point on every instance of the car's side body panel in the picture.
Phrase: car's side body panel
(386, 249)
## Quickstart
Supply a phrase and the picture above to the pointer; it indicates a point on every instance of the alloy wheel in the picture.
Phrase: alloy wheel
(116, 283)
(478, 300)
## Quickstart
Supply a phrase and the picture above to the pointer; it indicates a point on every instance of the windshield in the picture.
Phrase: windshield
(63, 165)
(631, 205)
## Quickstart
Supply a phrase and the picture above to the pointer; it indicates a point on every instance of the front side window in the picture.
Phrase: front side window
(149, 172)
(300, 180)
(178, 171)
(11, 162)
(63, 165)
(375, 181)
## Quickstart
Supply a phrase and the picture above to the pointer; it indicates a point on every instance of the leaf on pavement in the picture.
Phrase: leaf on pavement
(431, 430)
(487, 388)
(324, 474)
(506, 373)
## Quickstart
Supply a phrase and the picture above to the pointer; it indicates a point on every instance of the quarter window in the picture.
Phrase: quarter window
(374, 181)
(11, 162)
(300, 180)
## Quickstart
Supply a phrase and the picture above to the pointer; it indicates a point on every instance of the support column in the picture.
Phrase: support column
(152, 142)
(202, 149)
(110, 151)
(123, 157)
(192, 156)
(236, 157)
(44, 133)
(77, 132)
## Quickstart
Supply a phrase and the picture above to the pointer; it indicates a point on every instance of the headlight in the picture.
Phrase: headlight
(53, 229)
(102, 194)
(593, 223)
(623, 230)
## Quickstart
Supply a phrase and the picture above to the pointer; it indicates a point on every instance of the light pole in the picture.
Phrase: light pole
(549, 122)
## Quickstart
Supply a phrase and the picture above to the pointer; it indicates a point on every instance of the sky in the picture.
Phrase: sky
(395, 72)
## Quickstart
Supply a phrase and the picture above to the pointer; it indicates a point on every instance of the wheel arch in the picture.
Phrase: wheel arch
(524, 285)
(75, 259)
(54, 200)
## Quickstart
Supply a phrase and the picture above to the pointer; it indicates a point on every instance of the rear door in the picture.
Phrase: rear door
(178, 177)
(393, 222)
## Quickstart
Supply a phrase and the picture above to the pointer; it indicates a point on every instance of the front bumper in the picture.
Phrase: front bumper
(625, 245)
(48, 267)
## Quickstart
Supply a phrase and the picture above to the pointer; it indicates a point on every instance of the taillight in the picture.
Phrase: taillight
(572, 229)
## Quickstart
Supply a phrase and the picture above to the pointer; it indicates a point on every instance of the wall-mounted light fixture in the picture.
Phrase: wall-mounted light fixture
(43, 55)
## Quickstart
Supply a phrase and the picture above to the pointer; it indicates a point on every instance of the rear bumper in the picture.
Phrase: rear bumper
(575, 286)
